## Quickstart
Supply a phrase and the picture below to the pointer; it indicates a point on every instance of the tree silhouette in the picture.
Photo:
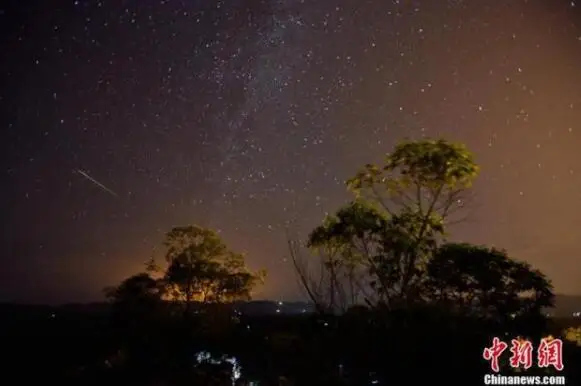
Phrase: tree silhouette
(137, 296)
(202, 268)
(383, 259)
(138, 313)
(386, 245)
(486, 283)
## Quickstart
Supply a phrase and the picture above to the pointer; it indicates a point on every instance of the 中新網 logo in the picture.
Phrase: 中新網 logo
(549, 353)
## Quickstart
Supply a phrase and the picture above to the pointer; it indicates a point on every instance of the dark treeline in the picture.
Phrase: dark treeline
(396, 302)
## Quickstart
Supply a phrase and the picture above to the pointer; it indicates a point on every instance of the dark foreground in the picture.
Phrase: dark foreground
(94, 346)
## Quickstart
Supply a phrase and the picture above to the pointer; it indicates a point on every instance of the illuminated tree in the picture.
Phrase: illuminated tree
(385, 236)
(202, 268)
(389, 242)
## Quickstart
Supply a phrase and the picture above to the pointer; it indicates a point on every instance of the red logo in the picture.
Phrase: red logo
(522, 353)
(549, 353)
(492, 353)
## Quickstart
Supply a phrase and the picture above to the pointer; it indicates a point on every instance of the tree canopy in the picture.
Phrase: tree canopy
(202, 268)
(389, 245)
(386, 258)
(199, 268)
(486, 282)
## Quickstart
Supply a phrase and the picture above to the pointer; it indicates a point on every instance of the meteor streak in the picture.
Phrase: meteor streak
(94, 181)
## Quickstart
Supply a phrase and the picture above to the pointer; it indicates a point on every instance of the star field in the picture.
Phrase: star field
(247, 116)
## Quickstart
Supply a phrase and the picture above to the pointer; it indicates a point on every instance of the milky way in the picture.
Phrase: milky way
(247, 116)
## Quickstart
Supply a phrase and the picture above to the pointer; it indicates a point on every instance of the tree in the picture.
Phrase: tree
(390, 242)
(486, 283)
(139, 293)
(137, 315)
(202, 268)
(420, 185)
(425, 176)
(320, 280)
(341, 254)
(383, 238)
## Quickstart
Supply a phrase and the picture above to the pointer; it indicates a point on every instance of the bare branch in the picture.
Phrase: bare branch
(380, 200)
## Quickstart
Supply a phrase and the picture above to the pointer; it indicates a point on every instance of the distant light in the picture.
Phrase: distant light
(53, 315)
(278, 310)
(280, 303)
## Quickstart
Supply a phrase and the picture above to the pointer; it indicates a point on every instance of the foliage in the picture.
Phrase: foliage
(202, 268)
(383, 258)
(382, 240)
(486, 283)
(389, 247)
(421, 176)
(341, 281)
(140, 287)
(419, 186)
(137, 297)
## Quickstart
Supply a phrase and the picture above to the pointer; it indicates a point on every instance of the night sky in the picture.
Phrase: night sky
(245, 115)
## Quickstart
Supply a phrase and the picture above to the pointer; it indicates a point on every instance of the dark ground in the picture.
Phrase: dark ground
(81, 345)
